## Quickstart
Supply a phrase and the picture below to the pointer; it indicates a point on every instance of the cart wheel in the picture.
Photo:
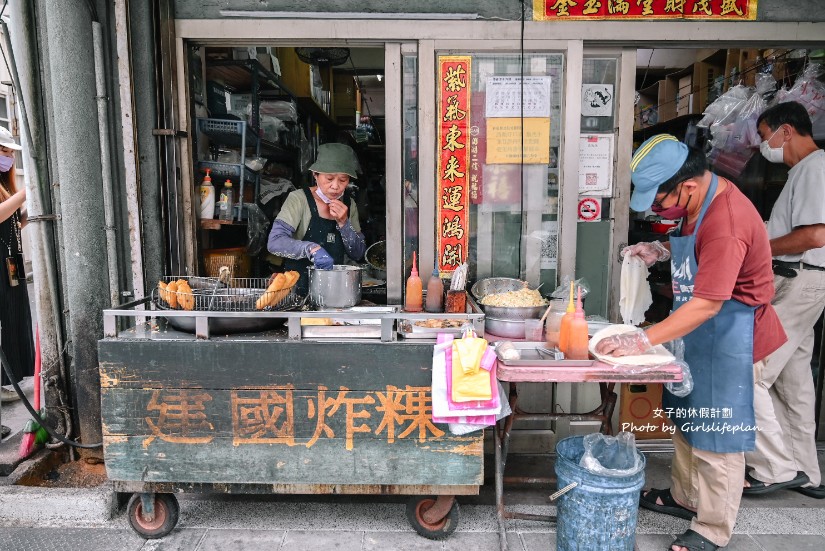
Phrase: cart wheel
(417, 506)
(166, 516)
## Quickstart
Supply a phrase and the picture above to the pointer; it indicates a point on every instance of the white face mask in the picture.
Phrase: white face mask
(773, 154)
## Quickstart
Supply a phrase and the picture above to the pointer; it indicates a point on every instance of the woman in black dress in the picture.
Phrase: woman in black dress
(15, 317)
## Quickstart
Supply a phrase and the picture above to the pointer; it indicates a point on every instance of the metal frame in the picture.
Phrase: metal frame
(388, 332)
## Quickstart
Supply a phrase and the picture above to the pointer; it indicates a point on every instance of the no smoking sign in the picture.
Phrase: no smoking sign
(590, 209)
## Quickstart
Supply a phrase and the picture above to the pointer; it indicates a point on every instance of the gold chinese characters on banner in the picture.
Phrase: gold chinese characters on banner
(560, 10)
(453, 176)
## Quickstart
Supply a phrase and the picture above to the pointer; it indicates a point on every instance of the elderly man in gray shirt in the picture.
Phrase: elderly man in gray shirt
(784, 393)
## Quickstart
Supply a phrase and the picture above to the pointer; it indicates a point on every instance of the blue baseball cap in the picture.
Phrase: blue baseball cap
(653, 164)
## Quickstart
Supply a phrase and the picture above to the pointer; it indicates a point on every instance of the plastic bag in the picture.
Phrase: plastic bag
(611, 455)
(807, 90)
(284, 110)
(255, 163)
(685, 387)
(459, 429)
(726, 107)
(563, 290)
(257, 230)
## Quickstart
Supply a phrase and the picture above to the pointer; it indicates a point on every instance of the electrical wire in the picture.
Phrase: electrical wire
(521, 167)
(756, 68)
(36, 415)
(5, 4)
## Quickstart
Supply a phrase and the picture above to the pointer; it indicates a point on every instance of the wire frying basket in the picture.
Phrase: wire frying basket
(235, 295)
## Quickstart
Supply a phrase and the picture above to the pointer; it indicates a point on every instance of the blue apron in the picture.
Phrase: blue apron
(324, 232)
(718, 415)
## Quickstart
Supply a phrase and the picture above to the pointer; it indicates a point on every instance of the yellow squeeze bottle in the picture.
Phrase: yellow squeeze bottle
(578, 339)
(414, 296)
(564, 331)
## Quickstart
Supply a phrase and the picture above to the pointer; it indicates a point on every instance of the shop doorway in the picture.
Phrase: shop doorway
(258, 115)
(711, 98)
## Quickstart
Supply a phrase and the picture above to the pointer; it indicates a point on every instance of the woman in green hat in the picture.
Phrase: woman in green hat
(319, 225)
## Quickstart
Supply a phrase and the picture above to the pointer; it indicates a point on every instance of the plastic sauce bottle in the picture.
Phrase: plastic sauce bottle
(578, 340)
(226, 201)
(435, 293)
(414, 291)
(207, 193)
(564, 327)
(553, 323)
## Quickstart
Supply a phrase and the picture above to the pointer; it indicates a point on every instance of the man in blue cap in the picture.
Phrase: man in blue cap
(722, 289)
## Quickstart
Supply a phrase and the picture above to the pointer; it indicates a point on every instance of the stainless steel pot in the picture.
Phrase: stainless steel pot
(339, 287)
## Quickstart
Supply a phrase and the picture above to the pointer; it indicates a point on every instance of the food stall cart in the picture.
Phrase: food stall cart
(307, 409)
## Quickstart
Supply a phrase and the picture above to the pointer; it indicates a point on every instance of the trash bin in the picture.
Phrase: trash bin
(600, 513)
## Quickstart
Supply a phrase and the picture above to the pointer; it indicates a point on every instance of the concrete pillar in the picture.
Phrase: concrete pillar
(78, 172)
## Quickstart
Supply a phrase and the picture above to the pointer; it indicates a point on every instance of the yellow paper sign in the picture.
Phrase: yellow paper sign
(504, 141)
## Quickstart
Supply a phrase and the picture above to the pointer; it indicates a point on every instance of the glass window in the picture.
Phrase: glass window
(4, 112)
(409, 156)
(599, 85)
(509, 190)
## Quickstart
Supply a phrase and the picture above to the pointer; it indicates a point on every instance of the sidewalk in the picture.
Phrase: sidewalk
(40, 518)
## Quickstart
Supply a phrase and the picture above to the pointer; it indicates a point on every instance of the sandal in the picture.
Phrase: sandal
(757, 487)
(816, 492)
(693, 541)
(669, 505)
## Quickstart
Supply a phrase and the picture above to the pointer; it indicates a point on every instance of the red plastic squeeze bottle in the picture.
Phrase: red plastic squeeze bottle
(564, 330)
(578, 340)
(414, 296)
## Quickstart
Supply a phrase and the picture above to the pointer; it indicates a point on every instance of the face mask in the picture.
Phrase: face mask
(324, 198)
(675, 212)
(772, 154)
(6, 163)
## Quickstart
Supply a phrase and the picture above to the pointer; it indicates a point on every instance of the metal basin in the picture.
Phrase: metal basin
(339, 287)
(513, 329)
(494, 285)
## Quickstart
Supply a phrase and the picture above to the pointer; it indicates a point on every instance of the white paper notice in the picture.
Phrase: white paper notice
(596, 165)
(549, 244)
(597, 100)
(504, 97)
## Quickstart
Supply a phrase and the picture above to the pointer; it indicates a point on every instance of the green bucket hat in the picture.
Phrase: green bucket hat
(335, 158)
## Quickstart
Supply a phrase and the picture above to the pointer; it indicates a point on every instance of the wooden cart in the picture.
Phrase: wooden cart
(262, 413)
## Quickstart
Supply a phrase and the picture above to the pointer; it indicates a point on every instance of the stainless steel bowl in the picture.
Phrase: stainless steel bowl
(339, 287)
(494, 285)
(513, 329)
(514, 312)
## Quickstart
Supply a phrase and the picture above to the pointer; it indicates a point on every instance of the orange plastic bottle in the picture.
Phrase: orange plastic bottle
(564, 329)
(578, 339)
(414, 296)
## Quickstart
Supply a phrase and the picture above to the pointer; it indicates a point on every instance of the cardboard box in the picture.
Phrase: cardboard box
(640, 411)
(731, 68)
(244, 53)
(646, 112)
(666, 99)
(748, 61)
(685, 98)
(707, 77)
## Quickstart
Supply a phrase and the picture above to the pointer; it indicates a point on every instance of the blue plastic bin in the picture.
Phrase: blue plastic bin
(600, 513)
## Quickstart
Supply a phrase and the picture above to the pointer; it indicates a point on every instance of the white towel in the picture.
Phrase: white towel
(634, 291)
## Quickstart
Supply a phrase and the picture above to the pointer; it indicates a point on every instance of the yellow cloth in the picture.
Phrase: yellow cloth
(470, 382)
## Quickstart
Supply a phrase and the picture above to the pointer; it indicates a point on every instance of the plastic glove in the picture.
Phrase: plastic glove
(322, 260)
(632, 343)
(650, 253)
